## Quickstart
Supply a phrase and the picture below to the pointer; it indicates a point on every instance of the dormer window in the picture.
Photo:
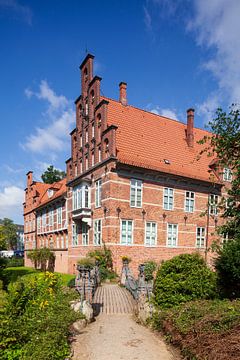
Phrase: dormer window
(227, 174)
(50, 192)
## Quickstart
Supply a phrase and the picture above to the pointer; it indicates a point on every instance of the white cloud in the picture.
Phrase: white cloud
(59, 116)
(147, 18)
(22, 11)
(217, 27)
(169, 113)
(11, 199)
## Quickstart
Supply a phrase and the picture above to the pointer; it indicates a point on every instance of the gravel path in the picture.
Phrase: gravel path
(119, 337)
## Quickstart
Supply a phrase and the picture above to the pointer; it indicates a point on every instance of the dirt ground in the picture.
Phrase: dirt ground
(119, 337)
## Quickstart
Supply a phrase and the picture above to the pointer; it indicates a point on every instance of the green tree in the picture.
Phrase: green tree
(52, 175)
(8, 234)
(224, 145)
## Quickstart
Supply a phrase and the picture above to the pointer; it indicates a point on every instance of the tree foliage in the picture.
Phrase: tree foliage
(42, 258)
(227, 267)
(224, 145)
(52, 175)
(8, 235)
(183, 278)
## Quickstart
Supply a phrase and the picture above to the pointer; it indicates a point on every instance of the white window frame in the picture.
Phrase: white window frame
(59, 215)
(85, 234)
(167, 194)
(189, 200)
(201, 238)
(135, 186)
(51, 217)
(171, 244)
(153, 235)
(97, 234)
(79, 197)
(98, 193)
(127, 243)
(74, 234)
(227, 174)
(213, 205)
(44, 219)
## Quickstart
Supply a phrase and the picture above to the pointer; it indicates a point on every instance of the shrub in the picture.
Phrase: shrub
(43, 258)
(149, 268)
(227, 267)
(36, 319)
(87, 262)
(104, 259)
(183, 278)
(15, 262)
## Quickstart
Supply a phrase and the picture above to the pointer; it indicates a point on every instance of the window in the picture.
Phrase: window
(227, 174)
(59, 215)
(99, 120)
(92, 158)
(50, 192)
(99, 154)
(92, 96)
(74, 235)
(136, 193)
(97, 232)
(213, 202)
(81, 140)
(224, 238)
(75, 170)
(126, 232)
(44, 219)
(168, 199)
(150, 234)
(62, 242)
(81, 197)
(172, 234)
(86, 162)
(51, 217)
(189, 201)
(86, 108)
(86, 137)
(80, 166)
(98, 192)
(38, 223)
(200, 237)
(85, 235)
(93, 133)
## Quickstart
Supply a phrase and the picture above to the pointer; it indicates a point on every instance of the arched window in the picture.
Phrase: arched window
(99, 120)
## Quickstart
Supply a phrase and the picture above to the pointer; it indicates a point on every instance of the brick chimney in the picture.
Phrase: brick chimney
(29, 178)
(123, 93)
(190, 126)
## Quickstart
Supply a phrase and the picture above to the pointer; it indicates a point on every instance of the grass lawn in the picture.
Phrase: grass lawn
(11, 274)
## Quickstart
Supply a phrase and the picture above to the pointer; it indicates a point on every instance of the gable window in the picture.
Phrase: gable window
(172, 235)
(150, 234)
(98, 193)
(126, 232)
(227, 174)
(213, 203)
(85, 235)
(168, 199)
(136, 193)
(93, 132)
(97, 232)
(200, 240)
(99, 154)
(59, 215)
(74, 234)
(189, 201)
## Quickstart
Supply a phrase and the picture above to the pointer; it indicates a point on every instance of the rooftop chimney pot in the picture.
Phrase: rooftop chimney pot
(123, 93)
(190, 127)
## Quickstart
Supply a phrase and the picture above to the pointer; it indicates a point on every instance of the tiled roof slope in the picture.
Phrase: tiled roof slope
(59, 189)
(145, 139)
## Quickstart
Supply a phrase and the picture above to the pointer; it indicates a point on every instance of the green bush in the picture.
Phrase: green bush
(149, 268)
(36, 319)
(15, 262)
(42, 258)
(183, 278)
(87, 262)
(104, 259)
(227, 267)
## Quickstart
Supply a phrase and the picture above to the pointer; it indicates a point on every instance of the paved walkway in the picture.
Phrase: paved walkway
(115, 335)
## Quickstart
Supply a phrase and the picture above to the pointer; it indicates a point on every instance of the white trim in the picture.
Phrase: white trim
(94, 221)
(145, 233)
(168, 188)
(176, 245)
(136, 188)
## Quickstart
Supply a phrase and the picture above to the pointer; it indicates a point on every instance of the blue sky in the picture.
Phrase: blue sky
(174, 54)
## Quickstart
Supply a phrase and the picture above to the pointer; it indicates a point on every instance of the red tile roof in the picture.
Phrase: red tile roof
(146, 140)
(59, 189)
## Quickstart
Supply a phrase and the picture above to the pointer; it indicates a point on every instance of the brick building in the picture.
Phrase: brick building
(134, 182)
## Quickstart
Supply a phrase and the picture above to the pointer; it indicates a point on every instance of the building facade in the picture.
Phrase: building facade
(135, 182)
